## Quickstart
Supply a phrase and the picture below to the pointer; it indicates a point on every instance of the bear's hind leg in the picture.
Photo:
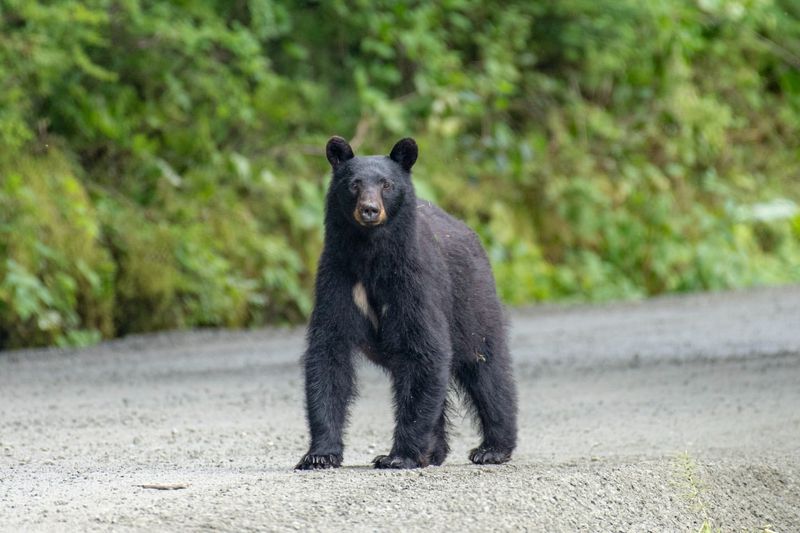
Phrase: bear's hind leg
(491, 390)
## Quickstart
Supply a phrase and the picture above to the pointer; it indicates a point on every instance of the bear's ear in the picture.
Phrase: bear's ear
(405, 153)
(338, 151)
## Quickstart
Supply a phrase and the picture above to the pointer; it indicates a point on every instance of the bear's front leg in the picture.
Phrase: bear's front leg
(329, 388)
(334, 330)
(420, 389)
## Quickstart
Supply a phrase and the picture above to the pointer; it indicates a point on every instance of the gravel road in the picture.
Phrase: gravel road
(651, 416)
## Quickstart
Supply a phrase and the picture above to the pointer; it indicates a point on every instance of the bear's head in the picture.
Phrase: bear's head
(371, 190)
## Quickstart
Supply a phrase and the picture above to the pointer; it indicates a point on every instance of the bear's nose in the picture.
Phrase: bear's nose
(369, 212)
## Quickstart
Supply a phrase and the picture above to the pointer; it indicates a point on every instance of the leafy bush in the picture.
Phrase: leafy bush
(161, 162)
(57, 280)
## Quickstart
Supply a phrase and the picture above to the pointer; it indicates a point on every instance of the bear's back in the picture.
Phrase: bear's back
(457, 241)
(475, 309)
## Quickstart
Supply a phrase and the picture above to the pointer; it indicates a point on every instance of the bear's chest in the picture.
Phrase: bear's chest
(375, 311)
(370, 307)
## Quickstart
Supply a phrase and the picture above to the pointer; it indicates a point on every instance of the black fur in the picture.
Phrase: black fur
(432, 315)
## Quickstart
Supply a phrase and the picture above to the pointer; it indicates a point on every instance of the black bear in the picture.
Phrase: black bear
(410, 287)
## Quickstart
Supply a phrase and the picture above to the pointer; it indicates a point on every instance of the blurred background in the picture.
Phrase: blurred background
(162, 162)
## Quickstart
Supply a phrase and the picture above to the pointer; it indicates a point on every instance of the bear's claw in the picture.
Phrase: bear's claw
(489, 456)
(393, 461)
(316, 462)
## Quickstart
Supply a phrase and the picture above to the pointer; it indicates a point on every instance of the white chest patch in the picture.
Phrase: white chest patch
(362, 303)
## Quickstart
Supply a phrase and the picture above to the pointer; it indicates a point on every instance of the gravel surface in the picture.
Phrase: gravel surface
(651, 416)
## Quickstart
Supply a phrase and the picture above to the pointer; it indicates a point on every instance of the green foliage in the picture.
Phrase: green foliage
(161, 163)
(57, 280)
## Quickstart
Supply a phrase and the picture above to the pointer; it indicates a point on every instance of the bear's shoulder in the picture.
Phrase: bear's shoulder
(445, 229)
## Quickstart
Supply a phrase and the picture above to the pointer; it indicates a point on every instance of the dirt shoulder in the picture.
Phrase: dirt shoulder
(659, 415)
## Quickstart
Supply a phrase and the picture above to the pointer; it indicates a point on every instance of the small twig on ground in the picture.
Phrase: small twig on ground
(159, 486)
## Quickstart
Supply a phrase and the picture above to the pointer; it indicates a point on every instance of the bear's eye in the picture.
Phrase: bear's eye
(387, 185)
(355, 185)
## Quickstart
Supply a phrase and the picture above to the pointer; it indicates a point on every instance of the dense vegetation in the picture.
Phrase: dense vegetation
(161, 162)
